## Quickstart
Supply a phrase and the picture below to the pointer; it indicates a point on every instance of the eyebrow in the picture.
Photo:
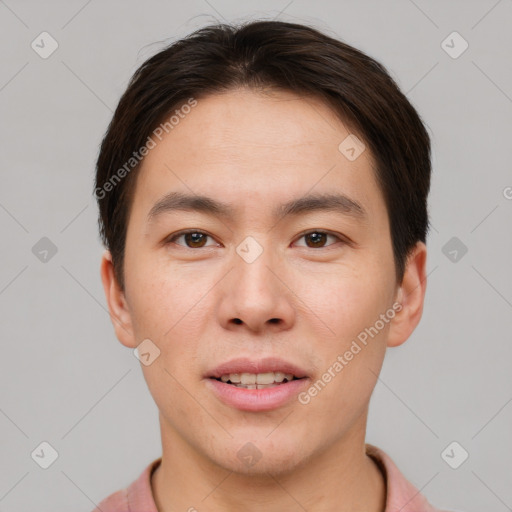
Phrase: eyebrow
(179, 201)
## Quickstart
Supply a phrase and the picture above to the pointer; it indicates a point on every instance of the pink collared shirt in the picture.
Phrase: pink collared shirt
(402, 496)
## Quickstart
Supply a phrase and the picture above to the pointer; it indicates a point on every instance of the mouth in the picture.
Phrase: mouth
(256, 385)
(257, 380)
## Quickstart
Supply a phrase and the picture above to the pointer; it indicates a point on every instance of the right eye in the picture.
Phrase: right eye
(194, 239)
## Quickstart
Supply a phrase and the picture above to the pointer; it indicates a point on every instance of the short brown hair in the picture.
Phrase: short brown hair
(280, 55)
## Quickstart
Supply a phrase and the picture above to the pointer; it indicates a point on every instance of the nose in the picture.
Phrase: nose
(257, 294)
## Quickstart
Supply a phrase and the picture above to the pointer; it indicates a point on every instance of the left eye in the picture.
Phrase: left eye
(317, 238)
(197, 239)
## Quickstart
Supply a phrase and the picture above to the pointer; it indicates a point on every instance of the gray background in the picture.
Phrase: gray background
(65, 378)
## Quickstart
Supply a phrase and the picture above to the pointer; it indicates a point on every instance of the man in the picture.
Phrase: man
(263, 201)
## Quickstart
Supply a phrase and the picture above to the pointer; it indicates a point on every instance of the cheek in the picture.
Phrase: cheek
(345, 299)
(159, 298)
(361, 308)
(353, 356)
(353, 310)
(172, 311)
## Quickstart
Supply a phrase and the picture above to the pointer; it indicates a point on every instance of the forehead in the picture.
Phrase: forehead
(262, 122)
(243, 145)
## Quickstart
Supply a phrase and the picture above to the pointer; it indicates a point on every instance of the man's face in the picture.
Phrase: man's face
(268, 290)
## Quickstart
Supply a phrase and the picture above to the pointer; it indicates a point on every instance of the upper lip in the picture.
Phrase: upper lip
(266, 365)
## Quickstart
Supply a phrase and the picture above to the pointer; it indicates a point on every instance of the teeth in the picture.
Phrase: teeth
(278, 376)
(265, 378)
(256, 381)
(248, 378)
(256, 386)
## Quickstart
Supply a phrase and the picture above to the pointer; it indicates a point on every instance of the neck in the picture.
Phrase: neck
(341, 478)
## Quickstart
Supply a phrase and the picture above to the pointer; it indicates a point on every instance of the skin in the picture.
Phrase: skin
(256, 150)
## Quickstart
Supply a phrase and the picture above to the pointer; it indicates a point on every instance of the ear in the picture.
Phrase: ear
(117, 304)
(410, 294)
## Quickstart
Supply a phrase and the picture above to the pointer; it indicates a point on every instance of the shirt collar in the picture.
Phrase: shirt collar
(401, 495)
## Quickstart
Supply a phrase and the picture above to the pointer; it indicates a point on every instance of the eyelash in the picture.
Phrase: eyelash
(175, 236)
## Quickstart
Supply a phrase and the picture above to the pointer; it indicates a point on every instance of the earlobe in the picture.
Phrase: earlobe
(411, 295)
(116, 301)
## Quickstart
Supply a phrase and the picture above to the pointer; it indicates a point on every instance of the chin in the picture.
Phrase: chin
(258, 455)
(277, 465)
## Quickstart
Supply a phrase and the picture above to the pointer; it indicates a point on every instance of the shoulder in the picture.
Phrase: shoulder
(116, 502)
(402, 495)
(137, 496)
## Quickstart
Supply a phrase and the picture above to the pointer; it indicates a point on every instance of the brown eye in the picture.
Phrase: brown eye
(193, 239)
(318, 239)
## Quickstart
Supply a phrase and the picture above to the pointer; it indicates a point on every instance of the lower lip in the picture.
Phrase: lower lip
(257, 399)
